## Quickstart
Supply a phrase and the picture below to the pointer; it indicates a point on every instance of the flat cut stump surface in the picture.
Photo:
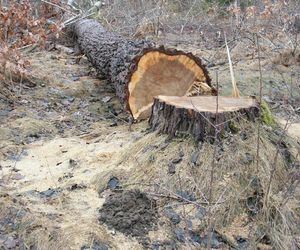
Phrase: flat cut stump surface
(198, 115)
(209, 103)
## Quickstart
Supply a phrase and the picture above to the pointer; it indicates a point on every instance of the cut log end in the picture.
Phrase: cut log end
(199, 116)
(139, 70)
(164, 72)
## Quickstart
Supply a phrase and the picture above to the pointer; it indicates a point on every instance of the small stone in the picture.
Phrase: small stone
(194, 157)
(151, 158)
(171, 168)
(154, 246)
(163, 146)
(255, 184)
(34, 135)
(74, 78)
(50, 192)
(161, 223)
(76, 186)
(215, 243)
(119, 214)
(64, 49)
(65, 102)
(2, 239)
(47, 193)
(72, 163)
(95, 246)
(10, 243)
(201, 212)
(114, 124)
(172, 215)
(176, 160)
(248, 159)
(242, 242)
(113, 183)
(195, 236)
(186, 195)
(189, 224)
(71, 99)
(215, 239)
(181, 153)
(179, 232)
(106, 99)
(169, 244)
(147, 148)
(243, 136)
(17, 176)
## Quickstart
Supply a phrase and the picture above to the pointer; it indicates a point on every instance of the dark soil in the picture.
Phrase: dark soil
(130, 212)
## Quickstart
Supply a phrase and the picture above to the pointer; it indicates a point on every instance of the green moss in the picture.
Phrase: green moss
(222, 134)
(233, 127)
(266, 115)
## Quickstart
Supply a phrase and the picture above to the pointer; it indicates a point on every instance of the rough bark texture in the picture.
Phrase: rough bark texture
(110, 53)
(116, 58)
(175, 119)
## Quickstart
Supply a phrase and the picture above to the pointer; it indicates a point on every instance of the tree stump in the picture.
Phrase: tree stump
(199, 116)
(138, 69)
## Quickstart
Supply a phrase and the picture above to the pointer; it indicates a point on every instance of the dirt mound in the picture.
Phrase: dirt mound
(130, 212)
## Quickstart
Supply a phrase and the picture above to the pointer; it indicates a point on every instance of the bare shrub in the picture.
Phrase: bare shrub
(20, 28)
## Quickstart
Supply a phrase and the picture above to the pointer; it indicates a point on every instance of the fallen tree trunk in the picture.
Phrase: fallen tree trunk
(199, 116)
(138, 69)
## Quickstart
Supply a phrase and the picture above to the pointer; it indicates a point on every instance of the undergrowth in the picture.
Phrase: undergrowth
(266, 115)
(240, 187)
(20, 27)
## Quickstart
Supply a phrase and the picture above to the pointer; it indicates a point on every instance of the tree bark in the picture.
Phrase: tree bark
(138, 69)
(196, 116)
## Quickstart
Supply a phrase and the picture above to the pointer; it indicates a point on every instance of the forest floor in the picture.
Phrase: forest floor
(64, 145)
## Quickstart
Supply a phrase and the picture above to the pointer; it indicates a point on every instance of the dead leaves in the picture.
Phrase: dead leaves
(21, 25)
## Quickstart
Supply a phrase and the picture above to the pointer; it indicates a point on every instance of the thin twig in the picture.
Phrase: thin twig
(180, 198)
(118, 118)
(259, 105)
(55, 5)
(213, 166)
(76, 18)
(235, 91)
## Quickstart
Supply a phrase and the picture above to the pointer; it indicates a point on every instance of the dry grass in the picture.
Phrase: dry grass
(27, 228)
(238, 188)
(35, 227)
